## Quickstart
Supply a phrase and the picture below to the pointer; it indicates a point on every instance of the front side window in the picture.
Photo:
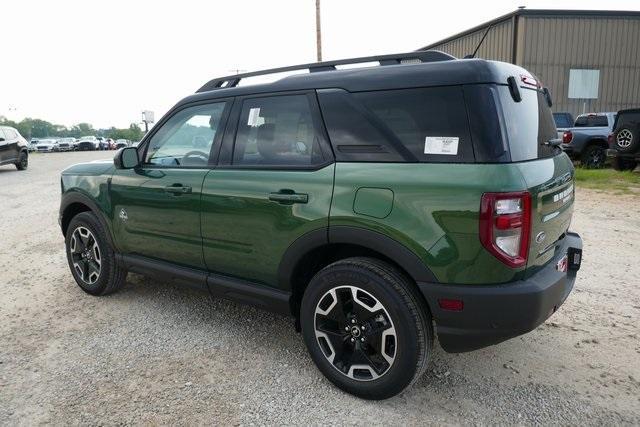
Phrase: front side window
(277, 131)
(186, 138)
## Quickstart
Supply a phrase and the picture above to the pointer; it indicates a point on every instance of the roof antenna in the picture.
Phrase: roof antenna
(473, 55)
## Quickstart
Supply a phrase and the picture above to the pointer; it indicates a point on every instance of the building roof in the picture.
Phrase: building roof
(540, 13)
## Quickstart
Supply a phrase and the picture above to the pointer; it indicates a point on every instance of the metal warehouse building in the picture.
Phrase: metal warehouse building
(589, 60)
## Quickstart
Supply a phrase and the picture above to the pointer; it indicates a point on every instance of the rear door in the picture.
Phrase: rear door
(10, 148)
(273, 184)
(4, 146)
(156, 206)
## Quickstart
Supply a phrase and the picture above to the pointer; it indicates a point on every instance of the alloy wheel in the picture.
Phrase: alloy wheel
(355, 333)
(85, 255)
(624, 138)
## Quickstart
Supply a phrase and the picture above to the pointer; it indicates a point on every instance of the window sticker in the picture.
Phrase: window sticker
(254, 116)
(446, 145)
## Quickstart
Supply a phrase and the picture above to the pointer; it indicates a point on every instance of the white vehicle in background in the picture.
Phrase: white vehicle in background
(88, 143)
(47, 145)
(33, 145)
(121, 143)
(66, 144)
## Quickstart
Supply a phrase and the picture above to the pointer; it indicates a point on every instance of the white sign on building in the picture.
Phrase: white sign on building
(583, 84)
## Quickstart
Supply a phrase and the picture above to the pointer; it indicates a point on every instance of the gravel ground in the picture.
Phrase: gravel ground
(155, 353)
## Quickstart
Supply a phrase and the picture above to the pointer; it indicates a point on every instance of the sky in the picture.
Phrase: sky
(105, 61)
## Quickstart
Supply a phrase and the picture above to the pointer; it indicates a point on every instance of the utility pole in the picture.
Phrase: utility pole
(318, 32)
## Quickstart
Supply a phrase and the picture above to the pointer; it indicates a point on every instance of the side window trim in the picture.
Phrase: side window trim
(225, 158)
(215, 147)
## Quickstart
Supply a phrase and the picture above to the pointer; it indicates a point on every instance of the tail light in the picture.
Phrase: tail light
(610, 140)
(567, 137)
(505, 226)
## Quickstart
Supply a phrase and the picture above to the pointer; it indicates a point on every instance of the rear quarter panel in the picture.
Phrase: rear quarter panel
(434, 213)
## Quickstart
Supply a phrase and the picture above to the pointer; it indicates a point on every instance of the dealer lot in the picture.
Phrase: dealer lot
(159, 353)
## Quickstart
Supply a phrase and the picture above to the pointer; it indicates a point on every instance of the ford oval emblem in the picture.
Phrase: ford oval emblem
(541, 236)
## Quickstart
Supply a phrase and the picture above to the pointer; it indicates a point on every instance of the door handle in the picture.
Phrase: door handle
(177, 189)
(288, 197)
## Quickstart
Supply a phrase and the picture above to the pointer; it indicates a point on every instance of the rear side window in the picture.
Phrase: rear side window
(528, 124)
(591, 120)
(277, 131)
(628, 120)
(411, 125)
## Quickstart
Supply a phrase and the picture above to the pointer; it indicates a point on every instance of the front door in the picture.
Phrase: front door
(156, 206)
(273, 184)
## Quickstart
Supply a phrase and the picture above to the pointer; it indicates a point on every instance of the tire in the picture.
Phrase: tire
(23, 161)
(341, 296)
(626, 140)
(102, 274)
(623, 164)
(593, 157)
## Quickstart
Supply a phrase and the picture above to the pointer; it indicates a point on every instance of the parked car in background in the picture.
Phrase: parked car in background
(121, 143)
(88, 143)
(103, 144)
(66, 144)
(33, 145)
(47, 145)
(624, 141)
(112, 144)
(587, 139)
(13, 148)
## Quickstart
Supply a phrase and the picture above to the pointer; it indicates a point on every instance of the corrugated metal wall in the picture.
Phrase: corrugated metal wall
(496, 46)
(551, 46)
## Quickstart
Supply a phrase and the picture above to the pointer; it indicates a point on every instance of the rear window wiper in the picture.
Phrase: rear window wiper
(555, 142)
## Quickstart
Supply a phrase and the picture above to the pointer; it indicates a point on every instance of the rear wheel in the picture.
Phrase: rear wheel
(91, 259)
(23, 161)
(593, 157)
(623, 164)
(366, 328)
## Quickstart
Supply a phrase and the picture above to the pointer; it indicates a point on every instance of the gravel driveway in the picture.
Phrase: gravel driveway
(155, 353)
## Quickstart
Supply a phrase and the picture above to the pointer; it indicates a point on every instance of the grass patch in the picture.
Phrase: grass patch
(625, 182)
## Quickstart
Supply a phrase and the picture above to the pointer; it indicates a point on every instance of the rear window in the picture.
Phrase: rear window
(411, 125)
(591, 120)
(528, 124)
(628, 119)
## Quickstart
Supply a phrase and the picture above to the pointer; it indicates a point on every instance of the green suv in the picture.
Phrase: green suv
(378, 206)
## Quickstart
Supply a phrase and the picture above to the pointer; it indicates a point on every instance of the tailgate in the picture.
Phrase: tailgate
(551, 184)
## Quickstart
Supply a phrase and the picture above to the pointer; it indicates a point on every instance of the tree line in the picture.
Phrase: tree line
(36, 128)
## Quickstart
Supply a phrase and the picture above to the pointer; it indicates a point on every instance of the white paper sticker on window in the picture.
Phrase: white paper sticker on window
(447, 145)
(254, 115)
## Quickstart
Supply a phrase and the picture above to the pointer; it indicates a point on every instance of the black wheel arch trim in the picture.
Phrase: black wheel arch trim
(373, 240)
(72, 197)
(391, 248)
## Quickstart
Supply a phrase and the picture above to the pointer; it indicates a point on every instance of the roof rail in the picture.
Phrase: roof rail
(393, 59)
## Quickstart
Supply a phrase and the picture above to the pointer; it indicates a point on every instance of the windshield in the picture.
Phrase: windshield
(88, 137)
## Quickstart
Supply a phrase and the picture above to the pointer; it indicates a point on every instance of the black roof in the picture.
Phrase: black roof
(542, 13)
(443, 72)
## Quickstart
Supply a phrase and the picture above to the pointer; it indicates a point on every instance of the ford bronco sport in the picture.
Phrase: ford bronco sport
(378, 206)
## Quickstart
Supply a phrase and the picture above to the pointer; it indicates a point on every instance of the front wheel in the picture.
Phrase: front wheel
(91, 259)
(23, 161)
(366, 327)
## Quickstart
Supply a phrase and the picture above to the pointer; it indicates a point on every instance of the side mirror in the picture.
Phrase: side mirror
(126, 158)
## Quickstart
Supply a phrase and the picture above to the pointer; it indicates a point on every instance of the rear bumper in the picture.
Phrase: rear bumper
(495, 313)
(615, 153)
